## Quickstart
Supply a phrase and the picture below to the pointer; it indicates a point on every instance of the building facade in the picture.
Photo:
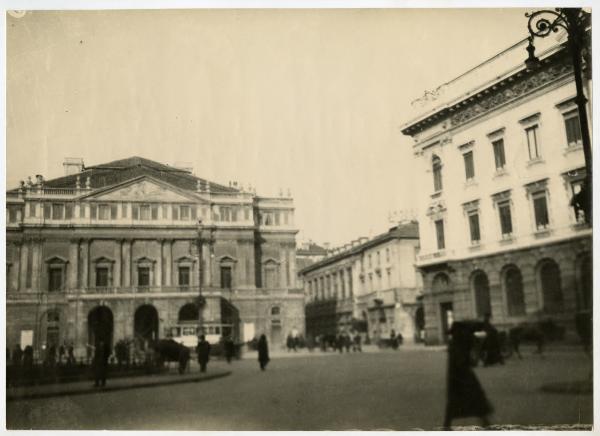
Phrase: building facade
(134, 249)
(369, 286)
(499, 158)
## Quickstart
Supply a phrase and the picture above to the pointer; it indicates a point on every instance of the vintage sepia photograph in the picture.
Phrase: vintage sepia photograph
(299, 219)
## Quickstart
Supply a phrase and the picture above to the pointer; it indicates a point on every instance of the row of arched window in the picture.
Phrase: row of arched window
(548, 278)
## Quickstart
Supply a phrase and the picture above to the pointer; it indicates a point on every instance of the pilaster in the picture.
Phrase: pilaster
(85, 262)
(72, 267)
(23, 265)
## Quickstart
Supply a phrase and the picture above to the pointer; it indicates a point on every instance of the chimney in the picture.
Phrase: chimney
(73, 165)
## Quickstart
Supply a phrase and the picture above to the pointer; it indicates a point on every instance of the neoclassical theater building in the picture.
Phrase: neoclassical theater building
(498, 158)
(134, 249)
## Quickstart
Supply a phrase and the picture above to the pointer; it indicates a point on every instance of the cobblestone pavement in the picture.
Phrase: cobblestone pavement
(399, 390)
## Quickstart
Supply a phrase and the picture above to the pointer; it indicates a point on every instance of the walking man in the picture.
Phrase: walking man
(263, 352)
(203, 350)
(101, 364)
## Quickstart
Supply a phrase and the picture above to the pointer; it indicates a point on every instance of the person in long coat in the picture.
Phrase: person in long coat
(229, 348)
(263, 352)
(203, 350)
(101, 364)
(465, 396)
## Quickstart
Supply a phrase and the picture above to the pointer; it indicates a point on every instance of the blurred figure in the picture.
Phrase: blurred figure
(203, 350)
(491, 343)
(61, 353)
(17, 355)
(28, 357)
(347, 342)
(101, 364)
(465, 396)
(263, 352)
(229, 348)
(393, 340)
(357, 343)
(70, 355)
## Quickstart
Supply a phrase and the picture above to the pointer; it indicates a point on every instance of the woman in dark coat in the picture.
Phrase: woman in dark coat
(465, 395)
(263, 352)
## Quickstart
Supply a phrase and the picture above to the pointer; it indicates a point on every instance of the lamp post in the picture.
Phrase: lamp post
(575, 22)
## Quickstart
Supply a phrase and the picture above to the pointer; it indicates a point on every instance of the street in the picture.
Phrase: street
(399, 390)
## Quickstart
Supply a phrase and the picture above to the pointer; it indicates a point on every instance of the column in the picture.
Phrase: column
(168, 262)
(72, 267)
(195, 274)
(23, 265)
(117, 274)
(206, 256)
(293, 275)
(36, 264)
(85, 263)
(158, 276)
(126, 279)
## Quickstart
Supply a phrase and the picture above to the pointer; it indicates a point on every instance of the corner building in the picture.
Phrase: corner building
(118, 251)
(498, 156)
(368, 286)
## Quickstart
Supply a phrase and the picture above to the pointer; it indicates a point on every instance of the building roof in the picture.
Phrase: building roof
(118, 171)
(312, 249)
(401, 231)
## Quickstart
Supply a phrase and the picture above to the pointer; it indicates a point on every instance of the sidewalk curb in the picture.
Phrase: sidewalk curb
(90, 390)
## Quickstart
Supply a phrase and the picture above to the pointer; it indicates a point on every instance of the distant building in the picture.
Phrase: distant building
(113, 251)
(499, 157)
(370, 286)
(308, 253)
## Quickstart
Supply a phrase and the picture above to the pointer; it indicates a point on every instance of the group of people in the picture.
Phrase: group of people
(20, 357)
(52, 355)
(340, 342)
(203, 351)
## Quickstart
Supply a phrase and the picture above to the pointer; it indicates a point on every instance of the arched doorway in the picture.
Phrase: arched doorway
(481, 289)
(549, 276)
(230, 319)
(188, 313)
(420, 322)
(100, 326)
(145, 324)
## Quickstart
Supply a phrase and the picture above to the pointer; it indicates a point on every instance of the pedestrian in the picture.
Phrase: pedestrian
(290, 342)
(61, 353)
(263, 352)
(229, 348)
(357, 342)
(393, 340)
(17, 355)
(465, 396)
(347, 342)
(203, 351)
(102, 352)
(70, 355)
(28, 357)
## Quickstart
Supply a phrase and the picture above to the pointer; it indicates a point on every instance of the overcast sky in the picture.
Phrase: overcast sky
(306, 99)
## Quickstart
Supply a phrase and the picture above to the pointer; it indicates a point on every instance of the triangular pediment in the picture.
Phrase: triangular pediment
(144, 189)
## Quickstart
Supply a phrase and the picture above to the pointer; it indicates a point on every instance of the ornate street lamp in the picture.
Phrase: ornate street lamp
(575, 21)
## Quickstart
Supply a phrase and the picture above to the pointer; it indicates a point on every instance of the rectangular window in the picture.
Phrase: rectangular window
(12, 214)
(165, 211)
(143, 276)
(31, 210)
(572, 127)
(103, 212)
(93, 211)
(47, 210)
(55, 279)
(194, 212)
(124, 210)
(226, 277)
(532, 142)
(68, 211)
(154, 211)
(184, 276)
(82, 210)
(387, 254)
(540, 209)
(184, 213)
(276, 218)
(439, 230)
(247, 214)
(101, 277)
(135, 211)
(505, 218)
(113, 211)
(145, 212)
(58, 211)
(437, 177)
(499, 157)
(349, 272)
(469, 168)
(175, 211)
(474, 227)
(576, 187)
